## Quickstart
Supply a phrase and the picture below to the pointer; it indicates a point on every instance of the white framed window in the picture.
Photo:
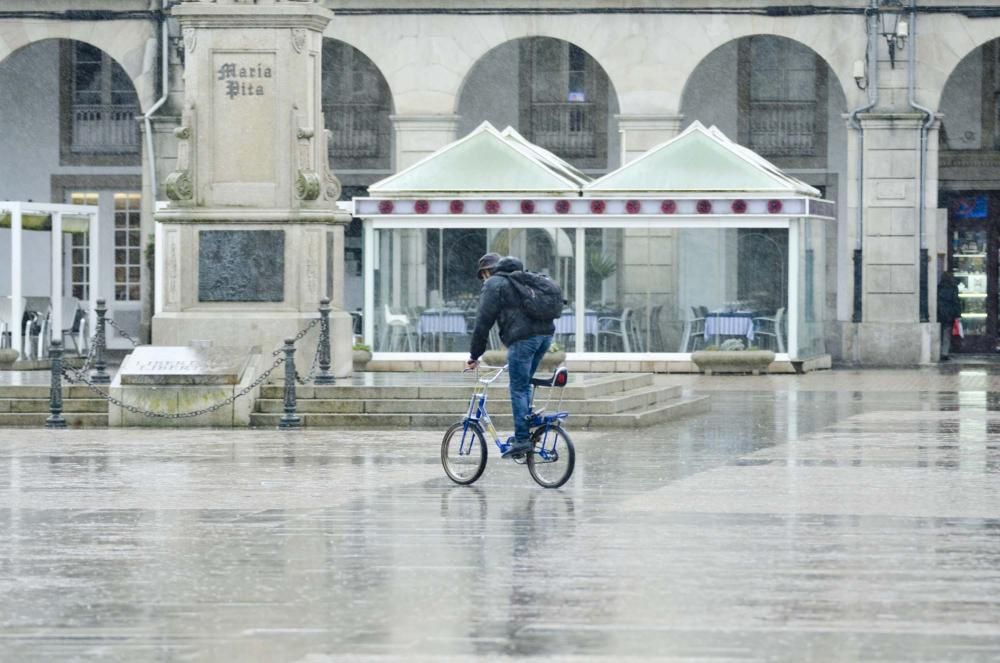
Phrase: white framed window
(80, 250)
(128, 247)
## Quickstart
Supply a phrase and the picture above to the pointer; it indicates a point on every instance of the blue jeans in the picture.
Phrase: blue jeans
(523, 358)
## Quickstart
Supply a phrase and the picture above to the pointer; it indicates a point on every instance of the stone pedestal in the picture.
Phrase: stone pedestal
(252, 238)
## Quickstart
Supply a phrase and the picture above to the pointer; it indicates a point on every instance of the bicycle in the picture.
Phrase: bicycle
(552, 456)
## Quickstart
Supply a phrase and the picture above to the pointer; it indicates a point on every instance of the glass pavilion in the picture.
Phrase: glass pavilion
(697, 243)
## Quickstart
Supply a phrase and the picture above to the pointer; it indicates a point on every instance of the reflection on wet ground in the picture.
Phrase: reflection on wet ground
(860, 521)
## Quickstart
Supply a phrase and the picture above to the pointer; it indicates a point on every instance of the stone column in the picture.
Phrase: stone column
(420, 135)
(243, 244)
(655, 251)
(641, 132)
(890, 332)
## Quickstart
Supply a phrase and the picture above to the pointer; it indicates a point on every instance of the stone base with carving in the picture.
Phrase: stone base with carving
(171, 380)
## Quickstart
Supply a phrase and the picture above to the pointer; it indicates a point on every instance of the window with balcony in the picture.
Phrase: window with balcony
(99, 106)
(783, 99)
(564, 101)
(356, 108)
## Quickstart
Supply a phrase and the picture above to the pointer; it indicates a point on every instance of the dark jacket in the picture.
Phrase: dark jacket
(949, 306)
(500, 304)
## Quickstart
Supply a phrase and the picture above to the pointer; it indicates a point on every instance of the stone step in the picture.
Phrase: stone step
(29, 405)
(499, 404)
(37, 420)
(659, 412)
(42, 391)
(592, 387)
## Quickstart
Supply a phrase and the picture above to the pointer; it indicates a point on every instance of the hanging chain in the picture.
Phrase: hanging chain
(91, 351)
(76, 376)
(121, 332)
(298, 337)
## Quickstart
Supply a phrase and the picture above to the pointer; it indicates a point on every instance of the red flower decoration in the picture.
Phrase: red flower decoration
(421, 207)
(704, 207)
(597, 206)
(739, 207)
(527, 207)
(493, 206)
(385, 207)
(633, 207)
(562, 206)
(774, 206)
(456, 206)
(668, 207)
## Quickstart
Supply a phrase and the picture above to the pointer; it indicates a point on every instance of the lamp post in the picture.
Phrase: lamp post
(894, 30)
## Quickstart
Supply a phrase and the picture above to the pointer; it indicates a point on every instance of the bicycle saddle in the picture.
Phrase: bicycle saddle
(557, 379)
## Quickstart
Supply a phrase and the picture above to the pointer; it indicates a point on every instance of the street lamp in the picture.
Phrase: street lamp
(895, 30)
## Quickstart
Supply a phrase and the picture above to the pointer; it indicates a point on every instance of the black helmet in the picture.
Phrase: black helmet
(488, 262)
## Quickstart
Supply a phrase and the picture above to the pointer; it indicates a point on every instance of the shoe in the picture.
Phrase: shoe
(517, 449)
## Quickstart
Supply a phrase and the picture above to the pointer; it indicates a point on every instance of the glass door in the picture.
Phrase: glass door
(973, 257)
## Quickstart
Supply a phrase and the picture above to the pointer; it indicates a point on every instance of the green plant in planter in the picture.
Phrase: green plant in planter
(555, 347)
(361, 347)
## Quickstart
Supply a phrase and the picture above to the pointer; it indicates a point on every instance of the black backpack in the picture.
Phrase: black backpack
(541, 297)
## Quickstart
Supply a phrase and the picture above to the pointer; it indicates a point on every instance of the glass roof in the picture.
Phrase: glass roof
(486, 161)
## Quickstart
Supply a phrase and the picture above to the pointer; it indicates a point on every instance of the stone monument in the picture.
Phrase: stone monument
(184, 380)
(252, 238)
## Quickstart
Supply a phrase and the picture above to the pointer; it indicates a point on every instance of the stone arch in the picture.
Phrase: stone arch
(717, 65)
(135, 49)
(576, 122)
(944, 41)
(426, 69)
(647, 61)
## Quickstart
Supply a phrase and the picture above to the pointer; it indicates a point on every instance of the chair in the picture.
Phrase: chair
(397, 328)
(770, 328)
(650, 330)
(622, 328)
(6, 321)
(694, 330)
(74, 314)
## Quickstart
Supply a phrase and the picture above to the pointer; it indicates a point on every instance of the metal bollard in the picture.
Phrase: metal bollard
(324, 376)
(55, 418)
(100, 374)
(290, 419)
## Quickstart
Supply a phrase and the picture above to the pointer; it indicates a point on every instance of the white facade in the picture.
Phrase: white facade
(666, 64)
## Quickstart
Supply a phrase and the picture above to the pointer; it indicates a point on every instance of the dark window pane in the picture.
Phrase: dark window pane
(120, 293)
(134, 257)
(120, 274)
(133, 293)
(120, 256)
(120, 238)
(133, 274)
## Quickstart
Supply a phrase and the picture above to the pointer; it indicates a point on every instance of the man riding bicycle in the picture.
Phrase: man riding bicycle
(527, 339)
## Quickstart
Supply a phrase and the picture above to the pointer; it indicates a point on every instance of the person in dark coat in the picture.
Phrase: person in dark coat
(949, 308)
(527, 339)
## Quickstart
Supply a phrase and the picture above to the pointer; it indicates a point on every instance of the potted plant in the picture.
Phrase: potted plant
(732, 357)
(7, 358)
(361, 355)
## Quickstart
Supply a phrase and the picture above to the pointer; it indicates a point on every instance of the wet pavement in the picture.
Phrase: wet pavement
(836, 516)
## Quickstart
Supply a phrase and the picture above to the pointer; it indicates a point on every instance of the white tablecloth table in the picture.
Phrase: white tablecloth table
(729, 323)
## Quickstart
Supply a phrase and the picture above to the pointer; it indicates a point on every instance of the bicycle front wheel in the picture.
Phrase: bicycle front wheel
(552, 458)
(463, 452)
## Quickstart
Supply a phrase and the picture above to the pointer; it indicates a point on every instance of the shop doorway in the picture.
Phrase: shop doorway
(974, 258)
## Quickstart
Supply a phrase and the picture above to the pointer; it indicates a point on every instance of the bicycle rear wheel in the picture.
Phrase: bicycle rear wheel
(553, 457)
(463, 452)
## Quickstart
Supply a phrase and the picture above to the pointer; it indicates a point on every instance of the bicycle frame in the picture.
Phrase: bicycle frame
(478, 414)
